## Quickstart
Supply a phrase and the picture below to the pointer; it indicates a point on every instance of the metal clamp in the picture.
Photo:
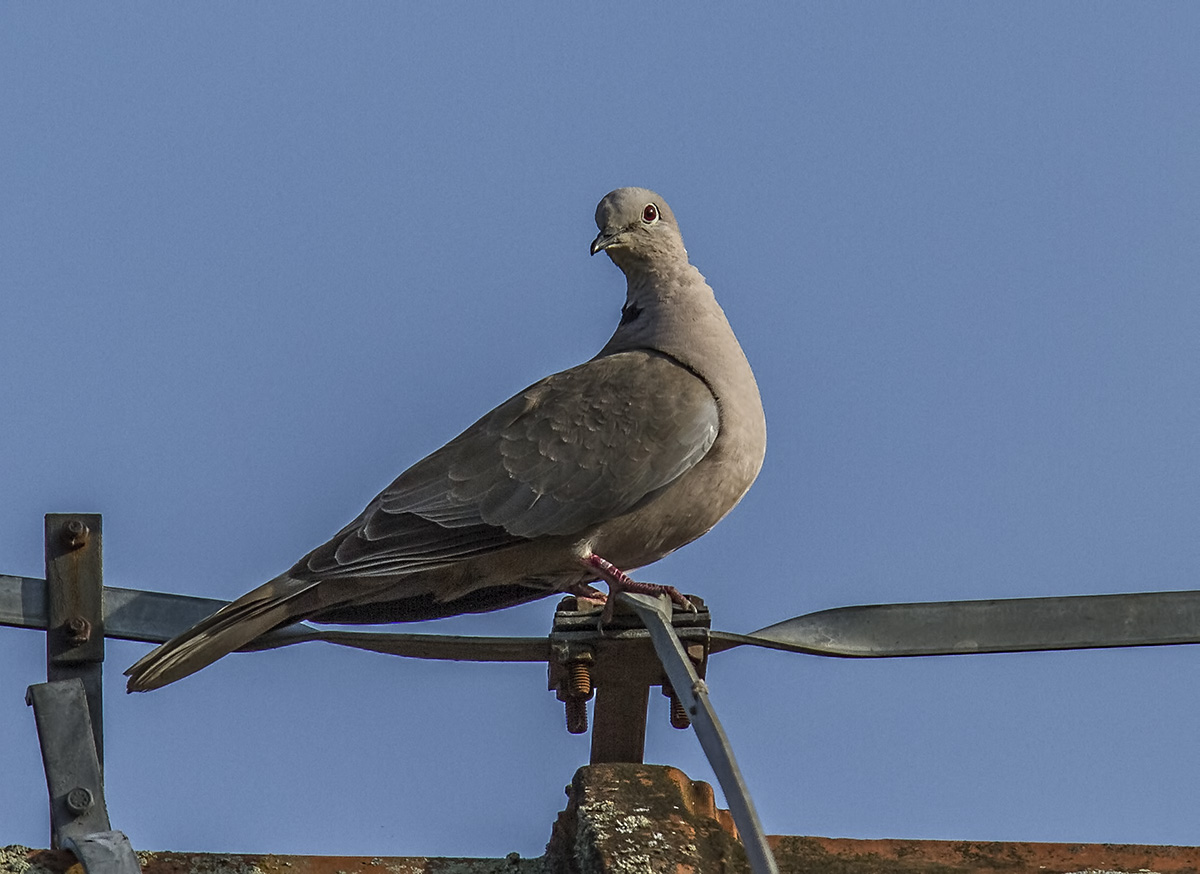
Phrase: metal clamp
(618, 665)
(104, 853)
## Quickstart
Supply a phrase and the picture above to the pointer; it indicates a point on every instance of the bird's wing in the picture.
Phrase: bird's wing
(569, 452)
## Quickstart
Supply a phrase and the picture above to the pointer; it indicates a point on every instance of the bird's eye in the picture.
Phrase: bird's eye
(650, 214)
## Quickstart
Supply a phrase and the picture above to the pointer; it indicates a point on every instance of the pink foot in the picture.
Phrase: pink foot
(619, 581)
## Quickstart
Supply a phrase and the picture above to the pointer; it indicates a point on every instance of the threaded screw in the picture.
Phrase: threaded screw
(579, 679)
(679, 714)
(575, 692)
(577, 718)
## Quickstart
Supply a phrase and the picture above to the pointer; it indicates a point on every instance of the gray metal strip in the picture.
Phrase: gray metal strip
(156, 617)
(152, 617)
(129, 614)
(693, 692)
(73, 777)
(104, 853)
(23, 602)
(870, 631)
(1006, 625)
(433, 646)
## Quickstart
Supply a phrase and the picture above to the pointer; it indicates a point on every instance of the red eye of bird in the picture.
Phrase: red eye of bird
(650, 214)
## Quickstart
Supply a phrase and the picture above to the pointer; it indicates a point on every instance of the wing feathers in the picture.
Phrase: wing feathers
(569, 452)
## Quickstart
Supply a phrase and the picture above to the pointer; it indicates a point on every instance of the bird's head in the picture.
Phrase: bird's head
(637, 228)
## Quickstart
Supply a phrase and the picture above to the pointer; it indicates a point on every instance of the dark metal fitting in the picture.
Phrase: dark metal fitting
(79, 630)
(679, 714)
(574, 690)
(76, 534)
(79, 800)
(579, 679)
(577, 716)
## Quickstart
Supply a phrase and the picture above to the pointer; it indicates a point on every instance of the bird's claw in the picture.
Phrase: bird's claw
(619, 581)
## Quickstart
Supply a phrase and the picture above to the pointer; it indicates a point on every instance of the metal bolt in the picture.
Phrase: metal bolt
(577, 718)
(579, 679)
(78, 630)
(679, 714)
(79, 800)
(75, 533)
(574, 692)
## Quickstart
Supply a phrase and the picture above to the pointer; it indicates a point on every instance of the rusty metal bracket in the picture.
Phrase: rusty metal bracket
(620, 666)
(75, 609)
(68, 708)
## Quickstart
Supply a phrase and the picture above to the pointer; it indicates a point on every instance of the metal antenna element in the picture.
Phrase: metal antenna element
(1002, 625)
(867, 631)
(614, 663)
(693, 693)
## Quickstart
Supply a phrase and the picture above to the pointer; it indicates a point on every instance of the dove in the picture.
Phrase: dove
(588, 474)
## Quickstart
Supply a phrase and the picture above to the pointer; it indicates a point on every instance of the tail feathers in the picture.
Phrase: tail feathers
(230, 628)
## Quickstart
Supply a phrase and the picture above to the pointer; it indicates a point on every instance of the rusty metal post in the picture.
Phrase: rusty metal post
(620, 670)
(619, 732)
(75, 609)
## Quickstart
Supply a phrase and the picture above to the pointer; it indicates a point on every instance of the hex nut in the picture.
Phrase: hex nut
(75, 533)
(79, 630)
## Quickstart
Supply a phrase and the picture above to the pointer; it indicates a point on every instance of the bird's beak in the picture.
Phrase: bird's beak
(604, 240)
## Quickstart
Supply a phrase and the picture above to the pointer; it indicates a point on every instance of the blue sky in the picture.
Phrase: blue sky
(256, 259)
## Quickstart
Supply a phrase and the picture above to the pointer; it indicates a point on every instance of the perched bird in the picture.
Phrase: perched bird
(584, 475)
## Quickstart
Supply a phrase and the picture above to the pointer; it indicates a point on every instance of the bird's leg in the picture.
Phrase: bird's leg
(619, 581)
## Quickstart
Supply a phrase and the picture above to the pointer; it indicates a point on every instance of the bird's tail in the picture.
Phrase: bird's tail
(230, 628)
